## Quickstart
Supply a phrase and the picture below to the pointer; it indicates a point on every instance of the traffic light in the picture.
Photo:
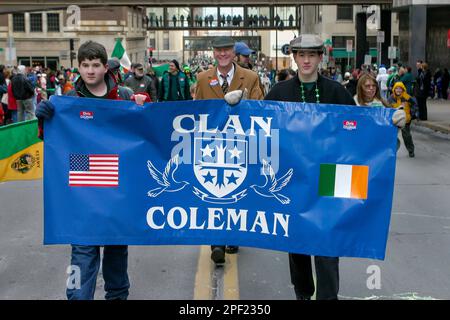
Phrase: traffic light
(71, 44)
(73, 55)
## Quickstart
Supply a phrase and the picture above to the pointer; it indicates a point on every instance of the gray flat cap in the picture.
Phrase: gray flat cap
(307, 42)
(222, 42)
(113, 64)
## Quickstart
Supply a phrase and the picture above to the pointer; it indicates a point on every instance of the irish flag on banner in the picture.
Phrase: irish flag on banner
(343, 181)
(120, 53)
(21, 152)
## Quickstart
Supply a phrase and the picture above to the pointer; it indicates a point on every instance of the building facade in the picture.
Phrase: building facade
(333, 23)
(47, 38)
(424, 31)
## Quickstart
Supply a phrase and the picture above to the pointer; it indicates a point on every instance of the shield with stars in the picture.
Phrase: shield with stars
(220, 165)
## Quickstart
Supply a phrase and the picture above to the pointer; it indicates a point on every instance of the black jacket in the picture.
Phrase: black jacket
(330, 92)
(22, 88)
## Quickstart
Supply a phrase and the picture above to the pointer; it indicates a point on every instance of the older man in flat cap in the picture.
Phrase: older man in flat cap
(308, 86)
(231, 82)
(227, 76)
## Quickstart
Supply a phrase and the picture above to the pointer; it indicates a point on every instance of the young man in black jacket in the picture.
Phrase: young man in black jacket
(309, 86)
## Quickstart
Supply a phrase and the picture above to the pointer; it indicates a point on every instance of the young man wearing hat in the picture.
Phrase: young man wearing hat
(226, 77)
(309, 86)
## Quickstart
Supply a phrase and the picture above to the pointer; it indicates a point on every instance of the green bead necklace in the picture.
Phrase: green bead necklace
(303, 92)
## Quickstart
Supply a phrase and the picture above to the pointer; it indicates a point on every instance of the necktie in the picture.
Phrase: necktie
(224, 84)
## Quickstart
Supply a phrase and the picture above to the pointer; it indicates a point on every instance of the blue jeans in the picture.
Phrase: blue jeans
(114, 267)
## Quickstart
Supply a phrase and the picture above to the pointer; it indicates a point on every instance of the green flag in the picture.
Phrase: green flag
(120, 53)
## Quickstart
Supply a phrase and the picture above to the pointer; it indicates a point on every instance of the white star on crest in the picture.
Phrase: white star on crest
(235, 153)
(207, 151)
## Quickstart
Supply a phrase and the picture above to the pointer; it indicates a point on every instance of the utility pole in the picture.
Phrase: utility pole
(72, 53)
(276, 49)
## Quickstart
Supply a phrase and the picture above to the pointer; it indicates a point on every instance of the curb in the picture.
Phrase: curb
(440, 127)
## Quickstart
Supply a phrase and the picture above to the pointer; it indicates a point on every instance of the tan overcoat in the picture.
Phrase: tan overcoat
(208, 86)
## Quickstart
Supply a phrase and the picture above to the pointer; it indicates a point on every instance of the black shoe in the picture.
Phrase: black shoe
(231, 249)
(411, 154)
(218, 255)
(300, 296)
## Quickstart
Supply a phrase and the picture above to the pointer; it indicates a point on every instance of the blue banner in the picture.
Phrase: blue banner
(295, 177)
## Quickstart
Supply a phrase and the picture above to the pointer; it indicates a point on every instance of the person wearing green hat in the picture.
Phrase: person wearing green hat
(189, 76)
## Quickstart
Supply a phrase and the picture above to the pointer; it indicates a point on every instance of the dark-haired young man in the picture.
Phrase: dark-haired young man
(95, 81)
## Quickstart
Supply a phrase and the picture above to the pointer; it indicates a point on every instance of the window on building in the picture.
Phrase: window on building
(372, 42)
(38, 61)
(341, 41)
(166, 41)
(344, 12)
(53, 22)
(395, 44)
(26, 61)
(35, 22)
(152, 43)
(18, 22)
(319, 14)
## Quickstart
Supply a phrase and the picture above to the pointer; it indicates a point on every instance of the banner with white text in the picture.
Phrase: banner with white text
(295, 177)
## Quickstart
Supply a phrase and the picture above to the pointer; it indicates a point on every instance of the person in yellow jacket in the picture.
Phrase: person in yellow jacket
(401, 99)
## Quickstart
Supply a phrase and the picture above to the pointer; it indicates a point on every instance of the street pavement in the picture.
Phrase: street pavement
(438, 116)
(416, 264)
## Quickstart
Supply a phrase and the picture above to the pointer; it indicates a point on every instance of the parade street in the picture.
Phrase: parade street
(416, 265)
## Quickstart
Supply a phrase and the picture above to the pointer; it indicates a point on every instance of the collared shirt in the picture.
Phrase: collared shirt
(230, 75)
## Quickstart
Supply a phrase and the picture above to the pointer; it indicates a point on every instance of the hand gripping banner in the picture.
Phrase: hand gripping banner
(295, 177)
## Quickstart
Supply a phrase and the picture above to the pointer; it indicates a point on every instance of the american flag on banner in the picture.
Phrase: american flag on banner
(94, 170)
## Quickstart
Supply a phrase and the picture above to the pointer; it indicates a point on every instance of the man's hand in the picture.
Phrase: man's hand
(399, 118)
(140, 99)
(45, 110)
(235, 96)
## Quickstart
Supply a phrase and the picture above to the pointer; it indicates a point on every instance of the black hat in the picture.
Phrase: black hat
(222, 42)
(113, 64)
(177, 65)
